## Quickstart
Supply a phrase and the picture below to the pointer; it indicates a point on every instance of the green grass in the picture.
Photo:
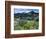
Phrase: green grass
(25, 24)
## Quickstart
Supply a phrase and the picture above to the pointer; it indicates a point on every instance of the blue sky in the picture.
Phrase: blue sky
(20, 10)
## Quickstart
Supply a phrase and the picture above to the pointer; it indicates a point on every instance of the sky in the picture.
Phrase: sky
(20, 10)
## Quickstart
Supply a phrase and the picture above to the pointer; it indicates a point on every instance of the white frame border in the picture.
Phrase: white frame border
(26, 31)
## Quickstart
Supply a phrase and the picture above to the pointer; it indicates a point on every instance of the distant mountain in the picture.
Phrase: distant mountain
(32, 12)
(25, 14)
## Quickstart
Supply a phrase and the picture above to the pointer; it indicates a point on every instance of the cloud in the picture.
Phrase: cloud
(20, 10)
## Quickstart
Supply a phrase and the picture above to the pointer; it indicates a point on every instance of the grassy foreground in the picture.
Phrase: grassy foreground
(21, 24)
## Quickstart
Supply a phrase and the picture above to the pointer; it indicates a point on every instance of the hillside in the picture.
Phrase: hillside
(25, 14)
